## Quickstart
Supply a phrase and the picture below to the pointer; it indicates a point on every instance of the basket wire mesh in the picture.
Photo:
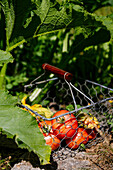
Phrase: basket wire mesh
(82, 114)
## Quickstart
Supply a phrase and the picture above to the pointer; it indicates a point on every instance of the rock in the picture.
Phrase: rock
(23, 165)
(72, 164)
(66, 152)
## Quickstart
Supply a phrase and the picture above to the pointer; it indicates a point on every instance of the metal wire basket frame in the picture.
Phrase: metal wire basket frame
(67, 77)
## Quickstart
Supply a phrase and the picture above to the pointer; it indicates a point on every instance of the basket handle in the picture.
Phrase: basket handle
(60, 73)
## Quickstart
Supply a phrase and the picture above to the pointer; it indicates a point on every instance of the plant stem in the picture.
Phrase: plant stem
(2, 77)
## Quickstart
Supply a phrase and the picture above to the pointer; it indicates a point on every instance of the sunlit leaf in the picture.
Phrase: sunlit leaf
(16, 122)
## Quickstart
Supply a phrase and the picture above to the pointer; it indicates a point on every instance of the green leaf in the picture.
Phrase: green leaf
(106, 15)
(5, 57)
(16, 122)
(85, 37)
(70, 107)
(82, 146)
(9, 13)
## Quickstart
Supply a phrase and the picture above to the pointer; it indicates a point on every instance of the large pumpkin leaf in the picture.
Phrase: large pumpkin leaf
(31, 18)
(16, 122)
(85, 38)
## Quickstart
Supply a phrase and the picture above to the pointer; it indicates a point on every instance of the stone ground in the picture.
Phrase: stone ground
(99, 157)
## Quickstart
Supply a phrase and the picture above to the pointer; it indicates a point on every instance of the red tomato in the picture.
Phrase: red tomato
(53, 141)
(65, 126)
(80, 137)
(92, 133)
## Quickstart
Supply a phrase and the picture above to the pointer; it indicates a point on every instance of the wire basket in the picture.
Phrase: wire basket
(74, 115)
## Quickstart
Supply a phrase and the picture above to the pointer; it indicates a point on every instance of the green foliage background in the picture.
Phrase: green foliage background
(79, 50)
(74, 35)
(78, 47)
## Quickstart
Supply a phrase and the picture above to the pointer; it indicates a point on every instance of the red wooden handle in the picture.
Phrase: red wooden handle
(60, 73)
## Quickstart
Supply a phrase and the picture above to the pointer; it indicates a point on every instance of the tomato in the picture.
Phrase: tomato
(92, 133)
(50, 138)
(45, 123)
(64, 126)
(53, 141)
(79, 138)
(45, 126)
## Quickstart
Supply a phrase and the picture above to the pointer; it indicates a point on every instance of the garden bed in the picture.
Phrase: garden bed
(99, 156)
